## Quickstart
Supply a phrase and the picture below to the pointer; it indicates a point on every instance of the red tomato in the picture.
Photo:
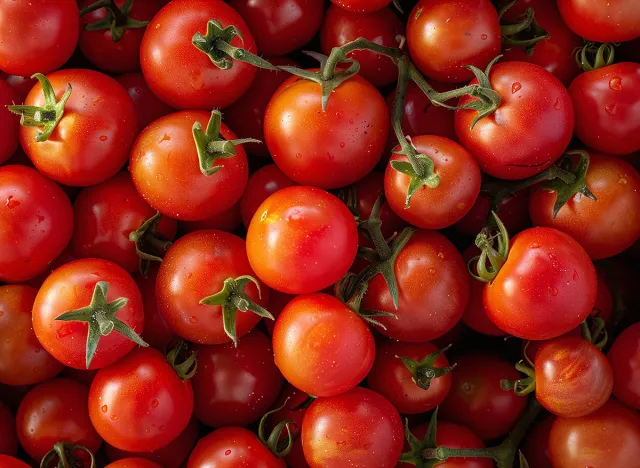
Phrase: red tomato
(72, 287)
(357, 429)
(9, 441)
(321, 346)
(361, 6)
(10, 462)
(332, 148)
(602, 20)
(526, 134)
(21, 85)
(301, 240)
(36, 222)
(22, 360)
(381, 27)
(156, 331)
(133, 463)
(368, 190)
(55, 411)
(228, 221)
(139, 403)
(262, 183)
(624, 357)
(8, 122)
(236, 385)
(148, 106)
(37, 36)
(292, 401)
(477, 400)
(167, 45)
(513, 211)
(536, 444)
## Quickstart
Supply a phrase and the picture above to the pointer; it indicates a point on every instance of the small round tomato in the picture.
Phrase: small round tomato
(156, 331)
(8, 122)
(513, 211)
(148, 106)
(293, 405)
(602, 20)
(227, 221)
(301, 240)
(536, 444)
(624, 357)
(133, 463)
(36, 223)
(139, 403)
(361, 6)
(9, 441)
(359, 429)
(262, 183)
(9, 462)
(321, 346)
(21, 85)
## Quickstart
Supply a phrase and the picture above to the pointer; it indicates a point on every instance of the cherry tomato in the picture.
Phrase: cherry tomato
(331, 148)
(133, 463)
(536, 444)
(156, 331)
(262, 183)
(293, 403)
(513, 211)
(624, 357)
(301, 240)
(227, 221)
(21, 85)
(9, 462)
(602, 21)
(139, 403)
(359, 429)
(9, 441)
(361, 6)
(148, 106)
(36, 222)
(8, 122)
(37, 37)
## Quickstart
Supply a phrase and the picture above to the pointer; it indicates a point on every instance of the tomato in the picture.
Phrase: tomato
(293, 407)
(156, 331)
(602, 21)
(262, 183)
(381, 27)
(8, 122)
(607, 104)
(445, 35)
(536, 444)
(148, 106)
(37, 37)
(54, 411)
(606, 438)
(358, 429)
(36, 222)
(228, 221)
(301, 240)
(433, 287)
(446, 204)
(166, 171)
(606, 226)
(624, 357)
(65, 257)
(331, 148)
(73, 286)
(9, 441)
(133, 463)
(235, 386)
(21, 85)
(283, 26)
(546, 288)
(391, 378)
(361, 6)
(513, 211)
(10, 462)
(321, 346)
(194, 82)
(22, 360)
(367, 191)
(477, 400)
(139, 403)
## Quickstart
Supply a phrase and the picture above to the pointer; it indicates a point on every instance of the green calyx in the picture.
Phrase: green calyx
(232, 299)
(424, 371)
(415, 455)
(101, 319)
(47, 116)
(429, 178)
(524, 386)
(595, 332)
(280, 448)
(595, 55)
(183, 360)
(149, 242)
(117, 19)
(525, 32)
(493, 242)
(64, 453)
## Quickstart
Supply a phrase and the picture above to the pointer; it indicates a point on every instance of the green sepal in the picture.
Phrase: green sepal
(526, 33)
(272, 442)
(182, 359)
(64, 452)
(495, 255)
(117, 19)
(424, 371)
(417, 447)
(595, 55)
(416, 182)
(148, 241)
(524, 386)
(523, 461)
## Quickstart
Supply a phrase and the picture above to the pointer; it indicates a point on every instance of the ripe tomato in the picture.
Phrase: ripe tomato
(235, 386)
(9, 462)
(536, 444)
(293, 404)
(477, 400)
(607, 104)
(72, 287)
(37, 37)
(331, 148)
(361, 6)
(341, 26)
(301, 240)
(9, 441)
(139, 403)
(36, 222)
(526, 134)
(54, 411)
(262, 183)
(148, 106)
(156, 331)
(321, 346)
(21, 85)
(513, 211)
(166, 171)
(167, 45)
(22, 360)
(359, 429)
(546, 288)
(133, 463)
(602, 21)
(227, 221)
(445, 35)
(8, 122)
(624, 357)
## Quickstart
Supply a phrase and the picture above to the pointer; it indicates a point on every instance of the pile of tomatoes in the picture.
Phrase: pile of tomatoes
(346, 234)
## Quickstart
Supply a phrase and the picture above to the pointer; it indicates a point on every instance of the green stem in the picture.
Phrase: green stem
(593, 56)
(63, 451)
(117, 18)
(339, 54)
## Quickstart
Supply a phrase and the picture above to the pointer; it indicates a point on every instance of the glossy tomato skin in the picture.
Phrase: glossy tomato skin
(301, 240)
(373, 435)
(607, 104)
(235, 386)
(133, 463)
(341, 26)
(38, 52)
(11, 462)
(165, 169)
(228, 221)
(262, 183)
(9, 441)
(293, 404)
(605, 438)
(530, 129)
(167, 45)
(536, 443)
(605, 227)
(443, 36)
(195, 267)
(440, 207)
(156, 330)
(71, 287)
(22, 359)
(321, 346)
(602, 21)
(21, 85)
(8, 123)
(433, 286)
(624, 357)
(36, 222)
(148, 106)
(361, 6)
(476, 399)
(139, 402)
(513, 212)
(546, 288)
(331, 148)
(55, 410)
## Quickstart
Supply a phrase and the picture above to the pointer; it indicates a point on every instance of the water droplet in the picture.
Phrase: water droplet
(556, 105)
(11, 203)
(611, 109)
(195, 80)
(330, 156)
(342, 144)
(227, 452)
(515, 87)
(341, 443)
(154, 403)
(1, 313)
(40, 218)
(165, 137)
(104, 408)
(535, 245)
(36, 350)
(162, 428)
(103, 137)
(484, 37)
(114, 417)
(615, 83)
(432, 270)
(159, 176)
(339, 114)
(576, 276)
(440, 255)
(193, 319)
(350, 120)
(553, 291)
(298, 156)
(622, 180)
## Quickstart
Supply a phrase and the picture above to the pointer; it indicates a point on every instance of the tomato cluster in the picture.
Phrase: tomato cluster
(313, 234)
